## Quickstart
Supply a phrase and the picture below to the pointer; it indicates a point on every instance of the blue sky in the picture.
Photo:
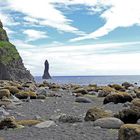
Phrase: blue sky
(78, 37)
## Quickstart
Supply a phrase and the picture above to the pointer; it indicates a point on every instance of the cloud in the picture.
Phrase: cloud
(33, 35)
(44, 12)
(115, 13)
(81, 60)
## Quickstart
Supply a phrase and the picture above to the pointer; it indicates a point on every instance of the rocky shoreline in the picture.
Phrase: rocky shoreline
(48, 111)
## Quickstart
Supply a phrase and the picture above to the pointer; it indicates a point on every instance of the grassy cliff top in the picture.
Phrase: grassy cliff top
(8, 52)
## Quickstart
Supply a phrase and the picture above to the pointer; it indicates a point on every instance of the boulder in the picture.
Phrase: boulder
(127, 85)
(8, 123)
(45, 124)
(13, 90)
(42, 91)
(129, 132)
(136, 102)
(3, 112)
(28, 122)
(41, 97)
(137, 91)
(4, 92)
(120, 97)
(117, 87)
(83, 100)
(26, 94)
(80, 90)
(69, 119)
(138, 122)
(105, 90)
(128, 115)
(108, 122)
(97, 113)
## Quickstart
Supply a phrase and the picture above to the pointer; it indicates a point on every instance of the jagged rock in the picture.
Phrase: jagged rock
(129, 132)
(46, 74)
(11, 65)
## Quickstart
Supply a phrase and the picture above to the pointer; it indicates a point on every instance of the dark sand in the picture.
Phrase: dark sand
(54, 106)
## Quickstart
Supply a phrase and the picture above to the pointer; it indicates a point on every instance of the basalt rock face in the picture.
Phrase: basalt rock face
(11, 65)
(46, 74)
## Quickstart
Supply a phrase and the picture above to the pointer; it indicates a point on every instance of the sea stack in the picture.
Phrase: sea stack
(46, 74)
(11, 65)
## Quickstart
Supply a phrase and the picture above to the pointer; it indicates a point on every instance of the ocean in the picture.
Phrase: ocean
(85, 80)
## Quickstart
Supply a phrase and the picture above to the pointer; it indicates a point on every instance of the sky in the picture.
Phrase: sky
(77, 37)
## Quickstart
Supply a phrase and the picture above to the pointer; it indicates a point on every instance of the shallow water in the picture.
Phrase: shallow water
(85, 80)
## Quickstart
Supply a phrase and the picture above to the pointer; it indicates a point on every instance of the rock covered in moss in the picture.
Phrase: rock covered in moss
(129, 115)
(13, 90)
(127, 85)
(83, 100)
(120, 97)
(28, 122)
(103, 91)
(117, 87)
(80, 90)
(26, 94)
(8, 122)
(69, 119)
(129, 132)
(136, 102)
(97, 113)
(4, 92)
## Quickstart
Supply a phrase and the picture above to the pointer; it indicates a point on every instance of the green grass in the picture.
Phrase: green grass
(8, 52)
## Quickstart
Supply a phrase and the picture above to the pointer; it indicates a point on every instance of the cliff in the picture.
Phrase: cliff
(11, 65)
(46, 74)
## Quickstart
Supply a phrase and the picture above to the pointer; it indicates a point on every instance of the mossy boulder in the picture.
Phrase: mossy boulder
(137, 91)
(103, 91)
(13, 90)
(97, 113)
(136, 102)
(28, 122)
(41, 97)
(26, 94)
(4, 92)
(8, 123)
(120, 97)
(129, 132)
(129, 115)
(127, 85)
(80, 90)
(117, 87)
